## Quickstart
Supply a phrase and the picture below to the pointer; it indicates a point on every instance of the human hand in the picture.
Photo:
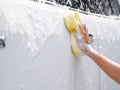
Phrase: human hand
(83, 40)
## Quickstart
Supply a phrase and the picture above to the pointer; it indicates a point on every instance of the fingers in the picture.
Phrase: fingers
(84, 32)
(85, 28)
(82, 29)
(87, 36)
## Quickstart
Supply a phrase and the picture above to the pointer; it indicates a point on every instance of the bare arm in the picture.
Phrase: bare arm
(111, 68)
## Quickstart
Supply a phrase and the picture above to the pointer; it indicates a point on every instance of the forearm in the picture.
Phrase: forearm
(108, 66)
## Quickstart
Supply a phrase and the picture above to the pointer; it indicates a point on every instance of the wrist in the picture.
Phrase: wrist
(89, 50)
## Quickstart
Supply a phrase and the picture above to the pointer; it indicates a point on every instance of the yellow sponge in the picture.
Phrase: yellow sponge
(71, 22)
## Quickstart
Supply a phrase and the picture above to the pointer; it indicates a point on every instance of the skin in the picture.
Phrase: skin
(111, 68)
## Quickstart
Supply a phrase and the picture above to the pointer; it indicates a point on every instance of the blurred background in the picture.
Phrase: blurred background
(104, 7)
